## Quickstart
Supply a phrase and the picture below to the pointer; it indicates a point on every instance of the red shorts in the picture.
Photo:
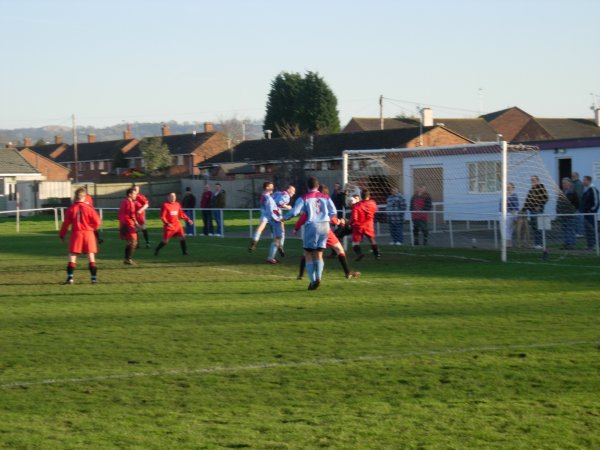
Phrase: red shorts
(358, 233)
(141, 218)
(172, 231)
(332, 239)
(128, 232)
(83, 242)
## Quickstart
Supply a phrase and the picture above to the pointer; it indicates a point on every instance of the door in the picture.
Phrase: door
(564, 169)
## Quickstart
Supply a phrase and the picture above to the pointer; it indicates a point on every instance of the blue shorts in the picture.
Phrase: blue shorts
(276, 229)
(315, 235)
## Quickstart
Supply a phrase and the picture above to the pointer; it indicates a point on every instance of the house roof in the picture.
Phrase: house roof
(96, 151)
(514, 124)
(45, 150)
(179, 144)
(12, 163)
(39, 155)
(323, 147)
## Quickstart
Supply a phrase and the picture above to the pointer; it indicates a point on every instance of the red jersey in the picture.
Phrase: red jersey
(206, 199)
(363, 219)
(88, 200)
(81, 217)
(170, 213)
(140, 201)
(127, 212)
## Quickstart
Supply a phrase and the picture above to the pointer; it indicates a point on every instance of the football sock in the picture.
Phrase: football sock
(375, 249)
(344, 262)
(145, 233)
(160, 245)
(282, 240)
(256, 236)
(310, 269)
(272, 251)
(357, 249)
(183, 244)
(70, 270)
(319, 265)
(93, 270)
(302, 266)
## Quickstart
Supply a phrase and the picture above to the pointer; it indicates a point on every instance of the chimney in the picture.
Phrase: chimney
(427, 117)
(597, 116)
(27, 142)
(10, 145)
(58, 139)
(268, 133)
(166, 130)
(91, 138)
(127, 133)
(209, 127)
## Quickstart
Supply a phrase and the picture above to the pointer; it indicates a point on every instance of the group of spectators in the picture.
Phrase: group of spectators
(211, 202)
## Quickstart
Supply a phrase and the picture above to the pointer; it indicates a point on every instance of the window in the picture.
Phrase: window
(100, 165)
(179, 161)
(91, 165)
(484, 176)
(355, 165)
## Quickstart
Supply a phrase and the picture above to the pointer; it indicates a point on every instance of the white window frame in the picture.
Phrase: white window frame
(482, 179)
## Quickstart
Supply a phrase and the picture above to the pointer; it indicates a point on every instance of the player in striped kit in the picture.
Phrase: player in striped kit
(319, 211)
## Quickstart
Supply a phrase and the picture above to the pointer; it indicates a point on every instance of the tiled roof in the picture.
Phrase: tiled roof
(325, 146)
(477, 130)
(179, 144)
(11, 162)
(44, 150)
(96, 151)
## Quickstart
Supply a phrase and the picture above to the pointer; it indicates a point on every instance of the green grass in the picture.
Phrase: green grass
(219, 350)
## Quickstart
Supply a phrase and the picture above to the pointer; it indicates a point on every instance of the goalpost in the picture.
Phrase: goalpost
(481, 197)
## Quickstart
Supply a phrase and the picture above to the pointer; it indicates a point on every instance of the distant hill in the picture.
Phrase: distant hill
(138, 130)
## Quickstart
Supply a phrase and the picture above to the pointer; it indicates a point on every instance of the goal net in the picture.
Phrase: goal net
(453, 197)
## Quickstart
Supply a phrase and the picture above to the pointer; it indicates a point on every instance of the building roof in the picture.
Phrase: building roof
(45, 150)
(329, 146)
(13, 163)
(179, 144)
(514, 124)
(95, 151)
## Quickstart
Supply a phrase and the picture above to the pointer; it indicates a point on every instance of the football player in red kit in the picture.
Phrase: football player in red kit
(141, 205)
(128, 224)
(83, 220)
(170, 213)
(363, 225)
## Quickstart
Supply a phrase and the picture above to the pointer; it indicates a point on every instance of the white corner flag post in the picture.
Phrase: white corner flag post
(504, 206)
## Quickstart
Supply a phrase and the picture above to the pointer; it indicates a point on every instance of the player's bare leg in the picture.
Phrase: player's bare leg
(256, 237)
(129, 251)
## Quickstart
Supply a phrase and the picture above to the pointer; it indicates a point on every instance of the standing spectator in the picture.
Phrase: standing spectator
(512, 211)
(578, 188)
(218, 201)
(141, 205)
(363, 225)
(566, 208)
(84, 221)
(205, 203)
(589, 206)
(536, 200)
(170, 213)
(188, 203)
(128, 225)
(339, 199)
(420, 206)
(395, 207)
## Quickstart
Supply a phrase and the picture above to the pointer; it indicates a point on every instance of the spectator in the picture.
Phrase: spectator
(589, 206)
(566, 208)
(205, 203)
(578, 188)
(188, 203)
(420, 206)
(512, 211)
(537, 197)
(395, 207)
(339, 199)
(218, 201)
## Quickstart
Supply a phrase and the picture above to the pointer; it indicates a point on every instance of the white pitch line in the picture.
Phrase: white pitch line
(292, 364)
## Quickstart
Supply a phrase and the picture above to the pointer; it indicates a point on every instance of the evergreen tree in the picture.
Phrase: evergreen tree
(306, 103)
(155, 153)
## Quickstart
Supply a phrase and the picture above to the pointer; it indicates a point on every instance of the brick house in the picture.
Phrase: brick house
(188, 150)
(50, 169)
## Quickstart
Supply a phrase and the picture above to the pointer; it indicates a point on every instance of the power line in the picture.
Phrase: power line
(435, 106)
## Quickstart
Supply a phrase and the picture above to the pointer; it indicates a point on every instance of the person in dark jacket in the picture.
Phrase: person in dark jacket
(188, 203)
(567, 205)
(205, 204)
(590, 202)
(420, 205)
(536, 200)
(218, 201)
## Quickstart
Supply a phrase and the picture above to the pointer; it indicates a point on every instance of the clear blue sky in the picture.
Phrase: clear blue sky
(113, 61)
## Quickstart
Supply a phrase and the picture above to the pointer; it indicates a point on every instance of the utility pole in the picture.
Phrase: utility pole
(75, 150)
(381, 112)
(480, 92)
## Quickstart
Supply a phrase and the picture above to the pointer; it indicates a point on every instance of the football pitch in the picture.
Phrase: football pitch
(219, 350)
